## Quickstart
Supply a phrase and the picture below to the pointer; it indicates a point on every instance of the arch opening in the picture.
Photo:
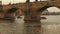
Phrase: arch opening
(47, 7)
(12, 10)
(51, 11)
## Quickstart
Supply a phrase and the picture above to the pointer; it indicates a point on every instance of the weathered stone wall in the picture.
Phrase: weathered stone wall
(32, 7)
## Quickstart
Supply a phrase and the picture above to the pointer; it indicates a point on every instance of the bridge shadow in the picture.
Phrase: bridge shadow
(7, 21)
(18, 27)
(32, 27)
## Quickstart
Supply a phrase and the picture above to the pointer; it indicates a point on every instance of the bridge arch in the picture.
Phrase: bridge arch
(44, 8)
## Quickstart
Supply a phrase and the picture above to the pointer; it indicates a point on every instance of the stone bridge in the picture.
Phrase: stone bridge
(32, 10)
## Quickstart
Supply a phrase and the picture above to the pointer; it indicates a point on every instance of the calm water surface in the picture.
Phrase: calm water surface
(49, 26)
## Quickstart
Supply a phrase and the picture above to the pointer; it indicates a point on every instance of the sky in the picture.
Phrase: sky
(16, 1)
(51, 9)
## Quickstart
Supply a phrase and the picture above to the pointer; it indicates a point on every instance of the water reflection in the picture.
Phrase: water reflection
(32, 27)
(19, 27)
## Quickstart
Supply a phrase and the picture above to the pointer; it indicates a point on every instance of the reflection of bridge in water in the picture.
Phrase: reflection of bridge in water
(19, 27)
(27, 27)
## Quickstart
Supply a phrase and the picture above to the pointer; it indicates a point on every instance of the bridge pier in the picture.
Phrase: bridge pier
(34, 16)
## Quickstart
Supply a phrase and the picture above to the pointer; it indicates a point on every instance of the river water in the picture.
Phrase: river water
(51, 25)
(52, 18)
